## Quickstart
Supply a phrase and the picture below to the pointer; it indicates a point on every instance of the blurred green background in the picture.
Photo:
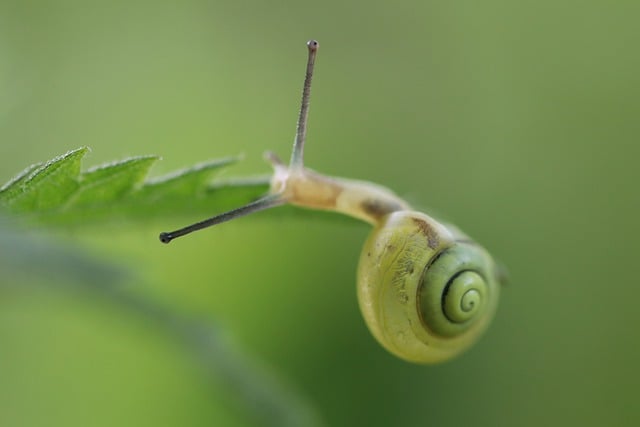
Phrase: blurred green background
(517, 121)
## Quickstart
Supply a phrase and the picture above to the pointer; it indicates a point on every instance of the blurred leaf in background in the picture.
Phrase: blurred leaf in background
(256, 392)
(517, 121)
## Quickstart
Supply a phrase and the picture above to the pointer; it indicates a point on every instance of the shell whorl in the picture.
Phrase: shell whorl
(425, 296)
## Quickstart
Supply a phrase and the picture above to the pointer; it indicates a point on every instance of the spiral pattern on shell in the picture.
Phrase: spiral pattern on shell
(427, 292)
(453, 291)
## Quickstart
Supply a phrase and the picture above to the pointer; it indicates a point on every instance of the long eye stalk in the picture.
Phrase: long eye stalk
(297, 157)
(274, 199)
(259, 205)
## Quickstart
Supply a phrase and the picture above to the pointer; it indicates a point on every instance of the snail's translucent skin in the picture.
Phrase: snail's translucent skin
(427, 292)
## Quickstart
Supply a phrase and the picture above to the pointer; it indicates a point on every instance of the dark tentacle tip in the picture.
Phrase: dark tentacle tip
(165, 237)
(313, 45)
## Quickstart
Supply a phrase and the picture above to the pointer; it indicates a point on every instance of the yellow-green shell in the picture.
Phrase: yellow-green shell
(426, 293)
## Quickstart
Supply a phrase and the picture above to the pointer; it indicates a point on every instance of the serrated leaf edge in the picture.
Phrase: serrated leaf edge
(212, 164)
(81, 151)
(22, 175)
(115, 163)
(244, 181)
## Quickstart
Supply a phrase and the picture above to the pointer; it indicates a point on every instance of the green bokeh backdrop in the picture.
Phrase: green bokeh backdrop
(518, 121)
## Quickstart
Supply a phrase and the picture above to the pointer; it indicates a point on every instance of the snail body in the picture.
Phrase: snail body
(426, 291)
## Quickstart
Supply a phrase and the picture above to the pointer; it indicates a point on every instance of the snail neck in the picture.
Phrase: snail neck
(363, 200)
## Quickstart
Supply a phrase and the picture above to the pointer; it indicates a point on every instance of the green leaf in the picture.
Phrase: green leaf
(107, 183)
(185, 182)
(56, 192)
(14, 187)
(45, 187)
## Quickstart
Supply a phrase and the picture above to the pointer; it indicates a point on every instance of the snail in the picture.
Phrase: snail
(426, 290)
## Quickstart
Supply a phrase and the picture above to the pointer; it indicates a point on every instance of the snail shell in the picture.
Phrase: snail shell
(426, 293)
